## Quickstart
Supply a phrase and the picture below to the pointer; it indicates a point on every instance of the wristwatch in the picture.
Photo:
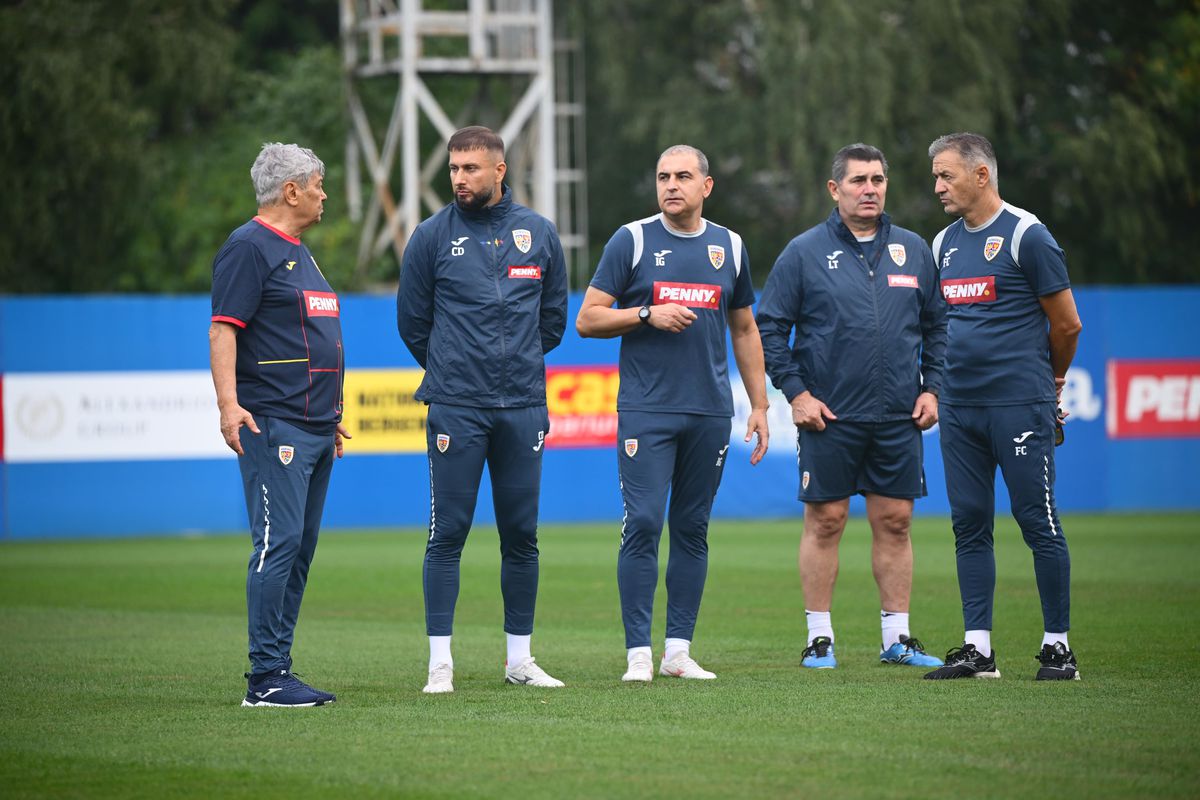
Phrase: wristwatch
(644, 315)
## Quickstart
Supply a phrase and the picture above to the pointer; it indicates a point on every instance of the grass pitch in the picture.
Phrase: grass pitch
(122, 663)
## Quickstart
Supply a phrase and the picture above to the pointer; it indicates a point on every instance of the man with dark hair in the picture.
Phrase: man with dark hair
(277, 364)
(678, 282)
(1013, 329)
(482, 299)
(862, 377)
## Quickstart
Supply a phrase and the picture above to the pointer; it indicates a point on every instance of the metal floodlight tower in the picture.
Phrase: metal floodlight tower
(482, 39)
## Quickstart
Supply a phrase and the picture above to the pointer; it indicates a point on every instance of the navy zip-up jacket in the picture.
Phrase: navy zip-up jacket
(482, 299)
(870, 321)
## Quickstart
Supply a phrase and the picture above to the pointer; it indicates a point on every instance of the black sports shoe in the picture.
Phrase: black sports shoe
(282, 689)
(1058, 663)
(965, 662)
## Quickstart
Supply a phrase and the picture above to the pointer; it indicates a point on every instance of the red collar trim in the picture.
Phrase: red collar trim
(276, 231)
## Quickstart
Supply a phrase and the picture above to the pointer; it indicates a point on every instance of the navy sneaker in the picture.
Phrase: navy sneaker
(282, 689)
(1058, 663)
(819, 654)
(965, 662)
(909, 651)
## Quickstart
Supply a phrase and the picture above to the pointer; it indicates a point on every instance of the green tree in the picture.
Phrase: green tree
(90, 85)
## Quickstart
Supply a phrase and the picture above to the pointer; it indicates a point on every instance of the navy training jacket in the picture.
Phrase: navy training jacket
(482, 299)
(870, 322)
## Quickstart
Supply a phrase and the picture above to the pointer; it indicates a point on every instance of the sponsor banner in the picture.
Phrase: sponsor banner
(322, 304)
(1153, 399)
(693, 295)
(381, 413)
(111, 416)
(907, 281)
(969, 290)
(525, 271)
(582, 402)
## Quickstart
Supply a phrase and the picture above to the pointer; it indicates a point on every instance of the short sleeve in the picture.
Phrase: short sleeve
(239, 272)
(1042, 261)
(743, 286)
(615, 270)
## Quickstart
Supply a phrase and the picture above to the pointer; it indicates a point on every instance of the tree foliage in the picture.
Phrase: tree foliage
(1092, 107)
(129, 128)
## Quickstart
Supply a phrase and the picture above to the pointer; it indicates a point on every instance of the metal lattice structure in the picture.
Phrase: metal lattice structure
(520, 77)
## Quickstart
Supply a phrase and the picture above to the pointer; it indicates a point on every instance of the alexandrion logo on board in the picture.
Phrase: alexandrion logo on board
(321, 304)
(693, 295)
(969, 290)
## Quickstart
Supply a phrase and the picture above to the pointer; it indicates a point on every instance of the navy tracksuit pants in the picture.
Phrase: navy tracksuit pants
(460, 440)
(657, 453)
(285, 474)
(1020, 440)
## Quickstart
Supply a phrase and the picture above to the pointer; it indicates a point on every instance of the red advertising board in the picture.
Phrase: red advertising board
(1153, 399)
(582, 402)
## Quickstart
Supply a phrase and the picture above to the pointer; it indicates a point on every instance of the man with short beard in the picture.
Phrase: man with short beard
(482, 299)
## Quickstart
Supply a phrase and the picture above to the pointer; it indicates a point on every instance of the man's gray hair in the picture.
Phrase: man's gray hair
(856, 152)
(974, 150)
(701, 159)
(279, 163)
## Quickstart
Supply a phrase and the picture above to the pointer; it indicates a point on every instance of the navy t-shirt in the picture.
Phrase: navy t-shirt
(289, 349)
(646, 263)
(998, 343)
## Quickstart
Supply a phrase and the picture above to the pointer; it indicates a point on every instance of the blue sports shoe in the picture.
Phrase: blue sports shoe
(909, 651)
(282, 689)
(819, 654)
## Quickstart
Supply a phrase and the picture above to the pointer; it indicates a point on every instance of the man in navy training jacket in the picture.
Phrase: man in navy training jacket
(678, 281)
(482, 299)
(277, 364)
(862, 377)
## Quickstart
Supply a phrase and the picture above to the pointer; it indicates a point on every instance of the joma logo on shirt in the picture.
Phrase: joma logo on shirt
(693, 295)
(321, 304)
(528, 271)
(970, 290)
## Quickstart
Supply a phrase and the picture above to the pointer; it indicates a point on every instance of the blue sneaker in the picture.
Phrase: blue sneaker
(819, 654)
(282, 689)
(909, 651)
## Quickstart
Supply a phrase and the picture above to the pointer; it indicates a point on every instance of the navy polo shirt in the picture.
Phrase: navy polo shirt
(647, 263)
(290, 362)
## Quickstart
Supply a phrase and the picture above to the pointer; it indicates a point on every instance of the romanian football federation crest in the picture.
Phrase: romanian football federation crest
(631, 447)
(286, 453)
(898, 254)
(992, 246)
(716, 255)
(443, 442)
(523, 239)
(804, 480)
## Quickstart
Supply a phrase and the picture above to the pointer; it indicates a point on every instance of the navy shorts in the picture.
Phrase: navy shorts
(884, 458)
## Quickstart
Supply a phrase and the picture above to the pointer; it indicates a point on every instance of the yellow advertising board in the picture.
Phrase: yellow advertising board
(381, 413)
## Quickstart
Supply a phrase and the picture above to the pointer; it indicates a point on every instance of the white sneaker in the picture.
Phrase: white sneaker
(641, 668)
(528, 673)
(441, 680)
(683, 666)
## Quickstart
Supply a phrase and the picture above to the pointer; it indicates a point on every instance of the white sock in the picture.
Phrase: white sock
(1049, 638)
(676, 646)
(439, 651)
(635, 651)
(894, 625)
(518, 648)
(818, 624)
(982, 641)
